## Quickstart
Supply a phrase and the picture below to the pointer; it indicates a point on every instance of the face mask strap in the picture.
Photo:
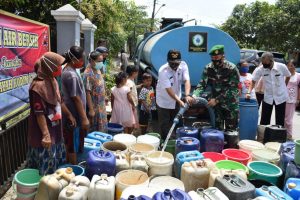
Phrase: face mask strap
(70, 53)
(46, 59)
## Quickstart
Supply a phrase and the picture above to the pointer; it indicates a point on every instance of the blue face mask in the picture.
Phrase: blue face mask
(99, 65)
(244, 69)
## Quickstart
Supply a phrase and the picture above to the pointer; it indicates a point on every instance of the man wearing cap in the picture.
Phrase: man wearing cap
(168, 90)
(104, 51)
(221, 78)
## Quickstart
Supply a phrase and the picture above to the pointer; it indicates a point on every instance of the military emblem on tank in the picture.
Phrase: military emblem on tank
(198, 40)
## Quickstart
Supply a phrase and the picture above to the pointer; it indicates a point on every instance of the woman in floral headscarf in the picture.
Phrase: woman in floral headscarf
(45, 136)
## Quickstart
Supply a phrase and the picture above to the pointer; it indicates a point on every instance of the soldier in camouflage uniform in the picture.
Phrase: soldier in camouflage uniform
(221, 78)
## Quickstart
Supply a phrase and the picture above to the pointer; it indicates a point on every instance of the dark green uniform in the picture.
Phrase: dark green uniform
(224, 82)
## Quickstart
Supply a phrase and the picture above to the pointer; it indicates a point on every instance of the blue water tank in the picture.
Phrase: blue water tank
(248, 119)
(156, 48)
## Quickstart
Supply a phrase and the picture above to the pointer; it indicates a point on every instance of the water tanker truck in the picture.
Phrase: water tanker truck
(194, 43)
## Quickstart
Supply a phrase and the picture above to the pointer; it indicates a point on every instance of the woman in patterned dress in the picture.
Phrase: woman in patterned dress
(95, 92)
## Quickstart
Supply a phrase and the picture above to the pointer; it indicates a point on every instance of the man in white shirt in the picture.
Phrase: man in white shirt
(168, 90)
(275, 78)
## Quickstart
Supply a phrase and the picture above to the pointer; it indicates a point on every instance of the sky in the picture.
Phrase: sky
(206, 12)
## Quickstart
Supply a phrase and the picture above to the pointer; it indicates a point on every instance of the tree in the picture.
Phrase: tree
(115, 20)
(264, 26)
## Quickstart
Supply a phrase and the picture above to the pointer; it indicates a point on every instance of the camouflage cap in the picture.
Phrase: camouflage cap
(216, 50)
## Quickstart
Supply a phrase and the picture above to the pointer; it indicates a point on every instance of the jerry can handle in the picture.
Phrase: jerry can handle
(103, 180)
(99, 135)
(82, 164)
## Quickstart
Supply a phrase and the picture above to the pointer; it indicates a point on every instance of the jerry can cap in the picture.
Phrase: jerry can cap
(69, 192)
(292, 185)
(69, 170)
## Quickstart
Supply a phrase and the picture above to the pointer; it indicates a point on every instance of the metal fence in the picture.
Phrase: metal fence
(13, 147)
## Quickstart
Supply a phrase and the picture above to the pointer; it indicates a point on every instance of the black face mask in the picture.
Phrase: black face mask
(217, 62)
(266, 65)
(174, 66)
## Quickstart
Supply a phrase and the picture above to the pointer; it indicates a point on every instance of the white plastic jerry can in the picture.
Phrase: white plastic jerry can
(138, 162)
(214, 173)
(121, 162)
(212, 193)
(51, 185)
(76, 190)
(195, 174)
(102, 188)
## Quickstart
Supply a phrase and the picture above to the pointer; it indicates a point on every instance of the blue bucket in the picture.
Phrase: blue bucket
(248, 119)
(78, 170)
(114, 128)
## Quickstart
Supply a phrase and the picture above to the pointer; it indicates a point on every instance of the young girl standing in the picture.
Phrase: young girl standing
(147, 99)
(294, 97)
(123, 107)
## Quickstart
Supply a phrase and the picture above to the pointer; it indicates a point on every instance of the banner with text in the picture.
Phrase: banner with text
(22, 42)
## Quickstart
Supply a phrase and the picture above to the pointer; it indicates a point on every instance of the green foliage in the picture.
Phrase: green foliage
(260, 25)
(110, 82)
(115, 20)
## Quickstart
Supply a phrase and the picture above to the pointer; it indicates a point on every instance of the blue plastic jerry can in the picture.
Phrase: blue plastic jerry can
(102, 137)
(171, 195)
(186, 156)
(272, 192)
(187, 144)
(89, 144)
(292, 188)
(212, 140)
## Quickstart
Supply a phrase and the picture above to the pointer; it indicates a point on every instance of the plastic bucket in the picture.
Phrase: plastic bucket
(237, 155)
(230, 165)
(274, 146)
(25, 183)
(171, 147)
(114, 146)
(250, 145)
(214, 156)
(142, 148)
(125, 138)
(78, 170)
(128, 178)
(297, 152)
(114, 128)
(264, 171)
(154, 134)
(166, 182)
(160, 166)
(266, 155)
(248, 119)
(149, 139)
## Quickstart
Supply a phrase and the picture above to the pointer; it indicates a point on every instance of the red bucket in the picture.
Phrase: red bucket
(237, 155)
(214, 156)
